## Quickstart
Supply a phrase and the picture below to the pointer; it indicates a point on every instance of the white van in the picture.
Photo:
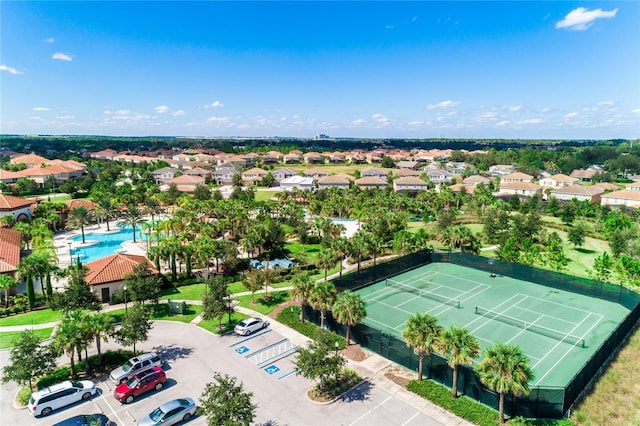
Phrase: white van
(135, 364)
(44, 401)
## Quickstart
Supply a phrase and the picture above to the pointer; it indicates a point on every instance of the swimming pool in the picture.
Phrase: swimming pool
(104, 244)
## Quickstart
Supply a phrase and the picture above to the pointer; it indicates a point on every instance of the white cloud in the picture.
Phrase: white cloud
(10, 70)
(379, 118)
(178, 113)
(162, 109)
(65, 117)
(62, 57)
(50, 40)
(217, 120)
(502, 123)
(388, 27)
(636, 111)
(580, 18)
(545, 109)
(571, 115)
(443, 105)
(41, 109)
(605, 103)
(357, 123)
(512, 108)
(216, 104)
(531, 121)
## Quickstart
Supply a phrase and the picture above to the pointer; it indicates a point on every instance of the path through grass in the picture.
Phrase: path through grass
(7, 339)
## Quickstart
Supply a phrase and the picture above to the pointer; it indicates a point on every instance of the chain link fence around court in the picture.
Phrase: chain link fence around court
(542, 402)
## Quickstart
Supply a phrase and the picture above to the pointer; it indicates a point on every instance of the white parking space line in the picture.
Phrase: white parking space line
(369, 412)
(412, 417)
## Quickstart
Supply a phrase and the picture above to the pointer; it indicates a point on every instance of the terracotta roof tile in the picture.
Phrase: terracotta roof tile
(114, 268)
(9, 202)
(10, 241)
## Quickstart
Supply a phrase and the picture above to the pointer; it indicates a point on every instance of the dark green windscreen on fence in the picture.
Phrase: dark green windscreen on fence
(542, 402)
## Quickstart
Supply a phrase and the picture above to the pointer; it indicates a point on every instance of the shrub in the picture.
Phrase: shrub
(24, 395)
(291, 317)
(60, 375)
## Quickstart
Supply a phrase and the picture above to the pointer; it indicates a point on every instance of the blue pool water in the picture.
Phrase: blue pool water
(107, 245)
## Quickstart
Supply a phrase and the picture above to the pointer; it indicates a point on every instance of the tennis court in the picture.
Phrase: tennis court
(558, 330)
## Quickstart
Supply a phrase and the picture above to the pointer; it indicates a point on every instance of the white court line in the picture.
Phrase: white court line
(462, 299)
(386, 325)
(566, 353)
(462, 279)
(412, 417)
(494, 310)
(546, 315)
(524, 329)
(564, 306)
(369, 412)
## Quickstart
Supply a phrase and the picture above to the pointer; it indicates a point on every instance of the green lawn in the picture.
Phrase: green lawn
(265, 195)
(161, 312)
(35, 317)
(185, 292)
(212, 325)
(260, 306)
(7, 339)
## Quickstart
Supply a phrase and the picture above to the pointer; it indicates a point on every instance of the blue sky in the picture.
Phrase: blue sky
(476, 69)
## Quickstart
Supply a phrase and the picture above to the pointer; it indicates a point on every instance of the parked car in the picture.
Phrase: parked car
(140, 383)
(135, 365)
(170, 413)
(87, 420)
(250, 325)
(44, 401)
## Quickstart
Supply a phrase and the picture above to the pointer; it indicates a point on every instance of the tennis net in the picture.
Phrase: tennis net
(423, 293)
(534, 328)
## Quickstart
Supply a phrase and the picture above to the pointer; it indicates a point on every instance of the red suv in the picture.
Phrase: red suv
(140, 383)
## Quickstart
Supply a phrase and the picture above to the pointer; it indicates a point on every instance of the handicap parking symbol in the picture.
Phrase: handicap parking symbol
(242, 349)
(272, 369)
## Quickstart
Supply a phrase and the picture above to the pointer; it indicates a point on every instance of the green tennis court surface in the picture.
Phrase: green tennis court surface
(558, 330)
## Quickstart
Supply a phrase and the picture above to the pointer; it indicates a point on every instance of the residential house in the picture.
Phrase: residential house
(581, 193)
(584, 175)
(253, 176)
(283, 173)
(18, 207)
(606, 186)
(313, 158)
(439, 176)
(411, 165)
(371, 182)
(475, 180)
(557, 181)
(198, 171)
(458, 167)
(292, 158)
(184, 183)
(107, 276)
(624, 197)
(405, 172)
(315, 173)
(223, 174)
(10, 244)
(161, 176)
(8, 177)
(500, 170)
(341, 181)
(374, 172)
(30, 160)
(410, 184)
(522, 188)
(301, 183)
(105, 154)
(516, 177)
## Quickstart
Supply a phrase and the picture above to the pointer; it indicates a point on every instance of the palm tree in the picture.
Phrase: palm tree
(340, 247)
(325, 260)
(421, 334)
(29, 268)
(301, 291)
(349, 309)
(101, 327)
(7, 282)
(322, 297)
(105, 210)
(461, 347)
(79, 218)
(505, 369)
(70, 335)
(132, 216)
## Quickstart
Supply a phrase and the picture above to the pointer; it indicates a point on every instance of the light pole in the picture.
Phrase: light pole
(70, 255)
(125, 298)
(491, 263)
(291, 314)
(337, 345)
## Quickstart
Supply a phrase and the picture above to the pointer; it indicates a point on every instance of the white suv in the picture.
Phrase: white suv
(135, 364)
(44, 401)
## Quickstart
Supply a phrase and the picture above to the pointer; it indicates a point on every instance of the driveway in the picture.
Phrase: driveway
(263, 363)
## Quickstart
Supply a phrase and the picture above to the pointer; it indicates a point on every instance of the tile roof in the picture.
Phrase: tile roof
(623, 194)
(410, 180)
(114, 268)
(29, 159)
(9, 202)
(10, 241)
(579, 190)
(74, 204)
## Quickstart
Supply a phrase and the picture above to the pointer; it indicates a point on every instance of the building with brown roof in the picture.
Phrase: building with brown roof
(184, 183)
(31, 160)
(581, 193)
(106, 276)
(557, 181)
(10, 243)
(17, 207)
(409, 184)
(371, 182)
(624, 197)
(526, 189)
(336, 181)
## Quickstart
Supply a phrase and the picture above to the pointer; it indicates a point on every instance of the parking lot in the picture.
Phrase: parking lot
(264, 362)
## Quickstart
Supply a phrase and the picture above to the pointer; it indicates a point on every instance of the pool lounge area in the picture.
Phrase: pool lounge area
(102, 243)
